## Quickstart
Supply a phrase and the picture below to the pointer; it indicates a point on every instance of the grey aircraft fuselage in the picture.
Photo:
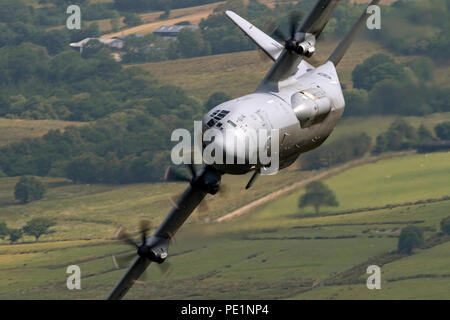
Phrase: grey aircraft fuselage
(276, 109)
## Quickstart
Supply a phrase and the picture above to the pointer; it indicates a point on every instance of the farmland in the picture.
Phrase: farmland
(273, 252)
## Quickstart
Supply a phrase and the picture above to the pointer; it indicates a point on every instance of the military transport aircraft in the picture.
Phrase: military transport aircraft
(302, 102)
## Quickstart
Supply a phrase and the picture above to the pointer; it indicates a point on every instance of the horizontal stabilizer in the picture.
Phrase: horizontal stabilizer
(319, 16)
(270, 47)
(343, 46)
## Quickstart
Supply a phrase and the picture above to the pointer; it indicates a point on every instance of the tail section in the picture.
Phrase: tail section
(300, 43)
(341, 49)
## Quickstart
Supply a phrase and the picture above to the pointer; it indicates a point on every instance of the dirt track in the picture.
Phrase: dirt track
(193, 15)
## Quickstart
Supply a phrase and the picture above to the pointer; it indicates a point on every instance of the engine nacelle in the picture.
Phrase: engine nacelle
(306, 44)
(306, 48)
(310, 106)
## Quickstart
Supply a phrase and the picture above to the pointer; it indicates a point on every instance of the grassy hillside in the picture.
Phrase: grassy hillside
(13, 130)
(273, 252)
(239, 73)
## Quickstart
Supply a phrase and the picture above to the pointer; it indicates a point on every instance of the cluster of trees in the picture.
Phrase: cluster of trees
(442, 130)
(402, 136)
(383, 86)
(412, 237)
(129, 146)
(399, 136)
(445, 225)
(29, 189)
(20, 23)
(217, 35)
(417, 27)
(81, 88)
(341, 150)
(36, 227)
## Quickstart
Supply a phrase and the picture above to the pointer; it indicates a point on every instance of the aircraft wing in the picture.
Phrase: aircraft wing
(203, 182)
(133, 273)
(318, 17)
(266, 43)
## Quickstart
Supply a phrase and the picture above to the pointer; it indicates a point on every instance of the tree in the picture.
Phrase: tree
(15, 235)
(443, 130)
(395, 96)
(410, 237)
(423, 68)
(38, 226)
(445, 225)
(399, 136)
(191, 44)
(132, 19)
(4, 231)
(356, 102)
(56, 41)
(317, 194)
(424, 134)
(29, 189)
(344, 149)
(375, 69)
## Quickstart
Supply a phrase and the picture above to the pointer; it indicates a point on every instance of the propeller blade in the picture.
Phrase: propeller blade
(174, 200)
(121, 234)
(203, 207)
(192, 169)
(252, 180)
(172, 239)
(144, 226)
(174, 176)
(294, 18)
(126, 282)
(277, 33)
(223, 191)
(122, 260)
(165, 268)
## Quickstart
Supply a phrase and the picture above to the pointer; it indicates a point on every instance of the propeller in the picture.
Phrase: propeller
(176, 176)
(299, 42)
(143, 250)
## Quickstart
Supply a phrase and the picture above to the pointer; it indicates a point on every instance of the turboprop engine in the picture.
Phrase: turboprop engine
(310, 105)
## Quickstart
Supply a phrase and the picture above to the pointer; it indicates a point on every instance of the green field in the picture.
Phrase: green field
(273, 252)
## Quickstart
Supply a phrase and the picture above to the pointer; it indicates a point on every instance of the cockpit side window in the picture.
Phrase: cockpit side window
(216, 116)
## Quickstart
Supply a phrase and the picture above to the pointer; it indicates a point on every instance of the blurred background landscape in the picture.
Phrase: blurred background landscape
(85, 123)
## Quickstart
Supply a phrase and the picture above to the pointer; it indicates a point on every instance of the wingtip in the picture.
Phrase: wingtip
(229, 13)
